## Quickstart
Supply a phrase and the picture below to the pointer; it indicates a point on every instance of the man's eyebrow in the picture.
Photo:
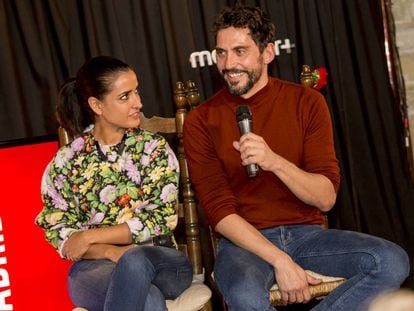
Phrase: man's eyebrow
(233, 48)
(239, 47)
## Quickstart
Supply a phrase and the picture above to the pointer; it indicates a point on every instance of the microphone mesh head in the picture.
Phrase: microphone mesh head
(243, 112)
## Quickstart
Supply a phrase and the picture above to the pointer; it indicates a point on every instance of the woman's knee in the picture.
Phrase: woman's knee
(135, 262)
(88, 281)
(155, 300)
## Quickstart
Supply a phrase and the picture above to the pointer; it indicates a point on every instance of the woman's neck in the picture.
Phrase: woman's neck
(107, 136)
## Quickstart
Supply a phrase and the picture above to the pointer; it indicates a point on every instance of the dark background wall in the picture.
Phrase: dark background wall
(45, 42)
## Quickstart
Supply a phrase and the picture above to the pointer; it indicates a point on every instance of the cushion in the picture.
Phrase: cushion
(192, 299)
(324, 278)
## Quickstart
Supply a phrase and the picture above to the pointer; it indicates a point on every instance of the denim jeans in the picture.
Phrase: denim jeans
(141, 280)
(370, 264)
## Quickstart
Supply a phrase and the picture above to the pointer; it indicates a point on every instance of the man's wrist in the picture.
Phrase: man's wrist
(280, 259)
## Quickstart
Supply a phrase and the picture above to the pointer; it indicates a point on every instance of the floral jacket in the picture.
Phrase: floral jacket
(135, 182)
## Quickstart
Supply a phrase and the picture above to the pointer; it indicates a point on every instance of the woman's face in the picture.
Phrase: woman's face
(120, 108)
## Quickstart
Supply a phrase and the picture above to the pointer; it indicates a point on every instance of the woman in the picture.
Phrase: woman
(110, 196)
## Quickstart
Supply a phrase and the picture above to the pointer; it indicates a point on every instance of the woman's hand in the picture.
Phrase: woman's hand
(98, 243)
(76, 246)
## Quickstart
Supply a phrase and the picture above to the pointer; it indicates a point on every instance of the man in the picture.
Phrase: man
(270, 224)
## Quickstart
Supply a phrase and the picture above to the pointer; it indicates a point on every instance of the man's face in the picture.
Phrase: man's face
(240, 62)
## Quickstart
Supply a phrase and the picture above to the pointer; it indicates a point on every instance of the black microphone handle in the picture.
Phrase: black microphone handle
(245, 127)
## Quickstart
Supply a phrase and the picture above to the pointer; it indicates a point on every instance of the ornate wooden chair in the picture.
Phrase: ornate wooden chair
(197, 296)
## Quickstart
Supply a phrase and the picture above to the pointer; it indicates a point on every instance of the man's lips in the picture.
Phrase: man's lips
(232, 75)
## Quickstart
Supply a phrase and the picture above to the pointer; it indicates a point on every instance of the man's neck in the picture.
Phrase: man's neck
(257, 87)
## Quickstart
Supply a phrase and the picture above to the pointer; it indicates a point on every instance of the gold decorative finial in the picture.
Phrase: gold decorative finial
(306, 76)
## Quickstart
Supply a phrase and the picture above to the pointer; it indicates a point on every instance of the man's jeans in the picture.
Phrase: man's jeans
(141, 280)
(370, 264)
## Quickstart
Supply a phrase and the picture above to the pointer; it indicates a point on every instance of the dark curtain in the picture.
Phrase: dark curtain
(45, 42)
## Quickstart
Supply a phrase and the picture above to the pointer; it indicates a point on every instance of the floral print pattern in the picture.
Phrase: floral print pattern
(137, 186)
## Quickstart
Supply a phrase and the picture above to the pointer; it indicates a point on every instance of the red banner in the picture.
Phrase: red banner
(32, 275)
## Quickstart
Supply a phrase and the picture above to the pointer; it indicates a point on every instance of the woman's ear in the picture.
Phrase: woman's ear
(269, 53)
(96, 105)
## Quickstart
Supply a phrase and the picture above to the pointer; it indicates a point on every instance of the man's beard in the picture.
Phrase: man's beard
(252, 77)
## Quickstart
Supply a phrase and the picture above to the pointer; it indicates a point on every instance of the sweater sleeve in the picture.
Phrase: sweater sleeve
(59, 217)
(206, 171)
(319, 153)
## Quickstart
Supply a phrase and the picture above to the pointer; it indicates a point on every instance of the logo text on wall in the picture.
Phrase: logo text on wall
(4, 276)
(207, 58)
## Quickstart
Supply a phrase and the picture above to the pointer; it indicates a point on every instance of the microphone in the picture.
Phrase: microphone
(244, 120)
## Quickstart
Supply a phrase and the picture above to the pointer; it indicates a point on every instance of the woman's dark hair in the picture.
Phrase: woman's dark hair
(94, 78)
(262, 30)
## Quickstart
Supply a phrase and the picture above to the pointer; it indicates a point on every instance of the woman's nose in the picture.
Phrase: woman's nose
(137, 101)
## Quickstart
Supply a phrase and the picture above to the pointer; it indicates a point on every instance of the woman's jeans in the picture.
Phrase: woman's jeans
(141, 280)
(370, 264)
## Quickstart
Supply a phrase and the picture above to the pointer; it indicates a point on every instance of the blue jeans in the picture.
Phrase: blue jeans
(370, 264)
(141, 280)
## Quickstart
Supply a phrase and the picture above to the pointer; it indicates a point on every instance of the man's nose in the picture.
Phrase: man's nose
(230, 61)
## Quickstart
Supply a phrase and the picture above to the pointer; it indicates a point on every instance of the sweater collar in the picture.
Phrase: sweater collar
(91, 141)
(257, 98)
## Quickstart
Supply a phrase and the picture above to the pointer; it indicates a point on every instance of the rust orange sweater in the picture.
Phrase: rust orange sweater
(295, 123)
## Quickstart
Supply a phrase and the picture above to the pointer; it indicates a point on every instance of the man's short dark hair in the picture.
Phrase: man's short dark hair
(262, 30)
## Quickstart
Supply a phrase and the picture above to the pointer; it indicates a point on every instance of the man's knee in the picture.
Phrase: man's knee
(398, 263)
(239, 297)
(392, 263)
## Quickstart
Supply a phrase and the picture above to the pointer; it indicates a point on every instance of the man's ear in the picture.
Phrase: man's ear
(95, 104)
(269, 53)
